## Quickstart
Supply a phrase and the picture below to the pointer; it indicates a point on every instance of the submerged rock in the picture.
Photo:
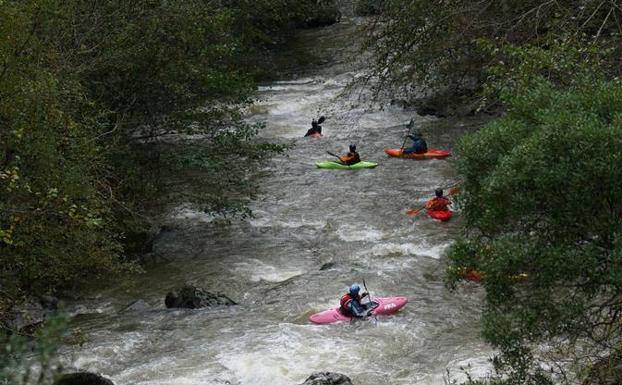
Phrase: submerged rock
(138, 305)
(83, 378)
(191, 297)
(327, 378)
(328, 266)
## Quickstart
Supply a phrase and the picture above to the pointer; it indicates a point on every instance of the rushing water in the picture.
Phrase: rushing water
(304, 218)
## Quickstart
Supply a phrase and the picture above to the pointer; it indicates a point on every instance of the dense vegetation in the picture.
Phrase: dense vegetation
(541, 183)
(25, 361)
(443, 49)
(110, 110)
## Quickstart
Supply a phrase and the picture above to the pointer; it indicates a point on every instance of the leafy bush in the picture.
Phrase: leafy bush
(541, 198)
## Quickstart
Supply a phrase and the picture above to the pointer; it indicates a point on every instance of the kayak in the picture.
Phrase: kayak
(432, 153)
(476, 276)
(386, 306)
(336, 165)
(443, 216)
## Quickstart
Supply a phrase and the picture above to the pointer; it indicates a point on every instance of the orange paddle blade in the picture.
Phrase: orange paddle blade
(413, 212)
(453, 191)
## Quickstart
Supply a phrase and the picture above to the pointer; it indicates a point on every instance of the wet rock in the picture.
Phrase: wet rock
(327, 378)
(328, 266)
(139, 306)
(49, 302)
(326, 15)
(25, 317)
(192, 297)
(83, 378)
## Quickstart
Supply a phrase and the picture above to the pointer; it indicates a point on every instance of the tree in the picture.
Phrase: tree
(540, 197)
(112, 112)
(435, 47)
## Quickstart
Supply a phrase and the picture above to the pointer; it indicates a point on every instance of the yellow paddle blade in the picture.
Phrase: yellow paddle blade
(453, 191)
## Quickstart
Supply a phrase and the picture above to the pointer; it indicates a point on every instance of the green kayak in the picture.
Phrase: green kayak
(337, 165)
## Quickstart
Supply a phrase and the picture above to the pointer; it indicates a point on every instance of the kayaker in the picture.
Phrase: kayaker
(351, 157)
(315, 128)
(418, 146)
(350, 303)
(439, 202)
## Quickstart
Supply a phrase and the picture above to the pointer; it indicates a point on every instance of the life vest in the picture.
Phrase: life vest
(346, 159)
(344, 301)
(437, 204)
(350, 158)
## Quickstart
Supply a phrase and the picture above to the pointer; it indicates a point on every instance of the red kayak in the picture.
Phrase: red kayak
(443, 216)
(432, 153)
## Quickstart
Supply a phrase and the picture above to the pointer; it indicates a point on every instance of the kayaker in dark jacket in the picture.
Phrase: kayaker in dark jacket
(350, 303)
(439, 202)
(315, 128)
(419, 146)
(351, 157)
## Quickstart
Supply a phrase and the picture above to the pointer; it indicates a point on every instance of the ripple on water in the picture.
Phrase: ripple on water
(285, 354)
(358, 232)
(256, 271)
(407, 249)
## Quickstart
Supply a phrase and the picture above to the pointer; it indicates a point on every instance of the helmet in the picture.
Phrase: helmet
(439, 192)
(313, 121)
(354, 289)
(353, 147)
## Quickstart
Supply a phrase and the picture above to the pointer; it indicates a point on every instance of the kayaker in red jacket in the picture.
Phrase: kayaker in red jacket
(438, 203)
(350, 303)
(351, 157)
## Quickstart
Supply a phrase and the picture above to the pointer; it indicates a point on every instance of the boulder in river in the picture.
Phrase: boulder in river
(192, 297)
(328, 266)
(24, 317)
(327, 378)
(83, 378)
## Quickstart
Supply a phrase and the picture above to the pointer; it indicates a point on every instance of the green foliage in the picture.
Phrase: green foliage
(53, 221)
(32, 361)
(111, 112)
(368, 7)
(541, 197)
(423, 45)
(541, 183)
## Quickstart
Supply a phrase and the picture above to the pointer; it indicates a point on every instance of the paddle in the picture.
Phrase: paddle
(410, 126)
(370, 301)
(321, 120)
(413, 212)
(335, 155)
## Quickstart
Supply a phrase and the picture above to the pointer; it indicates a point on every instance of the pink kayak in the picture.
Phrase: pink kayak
(441, 215)
(431, 153)
(386, 306)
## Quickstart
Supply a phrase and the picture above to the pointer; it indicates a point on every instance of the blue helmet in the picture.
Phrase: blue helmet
(354, 289)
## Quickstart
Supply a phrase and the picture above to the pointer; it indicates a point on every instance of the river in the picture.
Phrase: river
(304, 217)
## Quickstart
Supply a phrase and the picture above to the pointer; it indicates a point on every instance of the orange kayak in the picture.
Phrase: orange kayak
(443, 216)
(432, 153)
